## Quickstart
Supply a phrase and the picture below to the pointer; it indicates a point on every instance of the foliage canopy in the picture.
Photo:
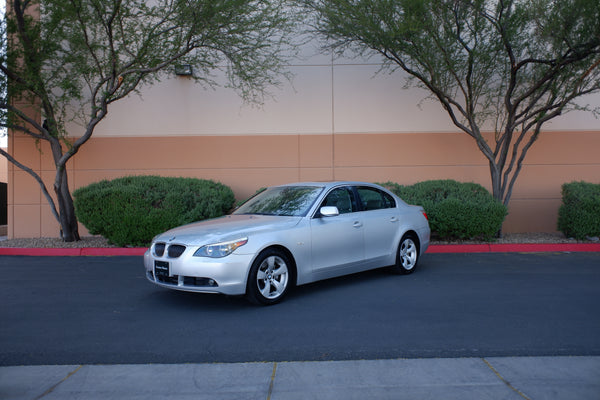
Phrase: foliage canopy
(72, 59)
(511, 64)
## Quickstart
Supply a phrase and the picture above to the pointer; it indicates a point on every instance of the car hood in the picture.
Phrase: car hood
(229, 227)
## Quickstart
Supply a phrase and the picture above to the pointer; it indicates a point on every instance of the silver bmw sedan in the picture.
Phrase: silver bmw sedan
(291, 235)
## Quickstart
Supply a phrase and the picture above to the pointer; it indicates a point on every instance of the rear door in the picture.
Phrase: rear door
(381, 224)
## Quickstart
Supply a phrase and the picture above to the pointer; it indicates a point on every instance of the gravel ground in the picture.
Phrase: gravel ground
(533, 237)
(90, 241)
(96, 241)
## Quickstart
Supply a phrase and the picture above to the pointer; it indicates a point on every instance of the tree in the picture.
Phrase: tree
(72, 59)
(511, 64)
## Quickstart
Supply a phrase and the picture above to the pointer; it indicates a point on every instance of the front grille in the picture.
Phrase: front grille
(159, 249)
(175, 250)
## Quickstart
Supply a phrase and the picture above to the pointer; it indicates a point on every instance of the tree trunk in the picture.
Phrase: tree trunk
(496, 176)
(69, 229)
(497, 188)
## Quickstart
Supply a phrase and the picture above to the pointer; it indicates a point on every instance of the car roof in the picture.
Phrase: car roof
(329, 184)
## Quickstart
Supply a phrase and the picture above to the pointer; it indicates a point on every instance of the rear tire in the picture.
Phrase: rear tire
(269, 278)
(407, 255)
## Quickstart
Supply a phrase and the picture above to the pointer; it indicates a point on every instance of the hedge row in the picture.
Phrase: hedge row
(579, 214)
(456, 210)
(130, 211)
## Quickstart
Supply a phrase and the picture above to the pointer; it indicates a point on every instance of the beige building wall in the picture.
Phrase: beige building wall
(338, 120)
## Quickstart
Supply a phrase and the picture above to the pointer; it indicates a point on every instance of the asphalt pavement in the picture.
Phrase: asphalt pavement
(473, 377)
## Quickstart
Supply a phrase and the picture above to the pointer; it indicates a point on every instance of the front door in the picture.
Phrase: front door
(337, 242)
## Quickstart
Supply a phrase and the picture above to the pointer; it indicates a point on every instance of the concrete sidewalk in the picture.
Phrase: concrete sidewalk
(464, 378)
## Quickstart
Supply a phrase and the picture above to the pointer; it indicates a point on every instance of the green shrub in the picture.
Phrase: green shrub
(456, 210)
(132, 210)
(579, 214)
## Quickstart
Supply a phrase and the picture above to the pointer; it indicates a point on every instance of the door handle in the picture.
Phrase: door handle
(357, 224)
(394, 219)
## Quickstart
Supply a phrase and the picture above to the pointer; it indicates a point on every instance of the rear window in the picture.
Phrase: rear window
(374, 199)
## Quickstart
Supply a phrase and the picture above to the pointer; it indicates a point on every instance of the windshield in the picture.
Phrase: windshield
(292, 201)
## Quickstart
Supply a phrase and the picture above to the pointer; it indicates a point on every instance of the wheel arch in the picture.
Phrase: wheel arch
(416, 238)
(289, 255)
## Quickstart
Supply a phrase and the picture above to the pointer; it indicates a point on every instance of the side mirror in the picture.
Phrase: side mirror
(329, 211)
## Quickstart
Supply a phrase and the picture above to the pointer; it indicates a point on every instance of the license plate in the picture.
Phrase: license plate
(161, 269)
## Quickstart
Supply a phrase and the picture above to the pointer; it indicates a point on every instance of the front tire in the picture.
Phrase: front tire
(269, 278)
(407, 256)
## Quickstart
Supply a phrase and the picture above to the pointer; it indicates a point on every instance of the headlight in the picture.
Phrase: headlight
(219, 250)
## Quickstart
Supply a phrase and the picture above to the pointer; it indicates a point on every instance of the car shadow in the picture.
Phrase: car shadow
(353, 283)
(182, 300)
(347, 282)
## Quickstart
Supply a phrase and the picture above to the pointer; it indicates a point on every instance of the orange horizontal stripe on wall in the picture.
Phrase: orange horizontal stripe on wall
(247, 163)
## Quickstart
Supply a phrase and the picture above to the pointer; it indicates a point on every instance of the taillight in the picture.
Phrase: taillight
(425, 215)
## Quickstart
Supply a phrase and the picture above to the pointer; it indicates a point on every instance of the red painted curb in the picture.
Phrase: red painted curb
(514, 248)
(86, 251)
(438, 248)
(459, 248)
(114, 251)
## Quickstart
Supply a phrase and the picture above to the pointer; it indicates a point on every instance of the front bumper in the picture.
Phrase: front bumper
(227, 275)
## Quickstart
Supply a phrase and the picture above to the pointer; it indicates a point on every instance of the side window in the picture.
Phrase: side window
(340, 198)
(388, 200)
(373, 199)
